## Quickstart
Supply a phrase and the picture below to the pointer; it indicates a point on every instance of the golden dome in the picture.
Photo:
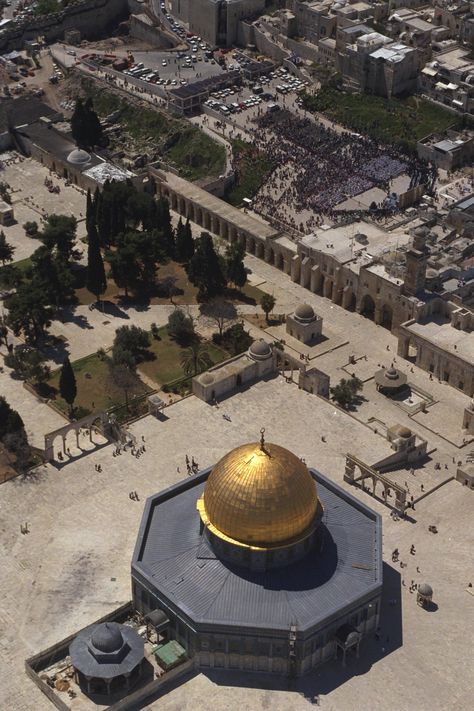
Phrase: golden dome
(259, 494)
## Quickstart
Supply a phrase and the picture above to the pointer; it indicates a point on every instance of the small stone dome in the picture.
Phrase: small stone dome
(260, 350)
(404, 432)
(107, 637)
(391, 373)
(431, 273)
(78, 157)
(207, 379)
(304, 312)
(425, 589)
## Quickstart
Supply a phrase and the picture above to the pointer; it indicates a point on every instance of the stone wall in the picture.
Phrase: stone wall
(90, 17)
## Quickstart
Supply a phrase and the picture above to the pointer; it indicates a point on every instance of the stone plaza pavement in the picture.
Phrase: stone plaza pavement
(74, 565)
(32, 201)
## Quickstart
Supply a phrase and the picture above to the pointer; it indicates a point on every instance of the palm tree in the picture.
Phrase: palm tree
(195, 359)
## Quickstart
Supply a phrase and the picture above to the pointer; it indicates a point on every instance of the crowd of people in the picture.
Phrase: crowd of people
(317, 168)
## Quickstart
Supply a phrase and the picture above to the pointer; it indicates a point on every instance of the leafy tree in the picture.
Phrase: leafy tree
(219, 312)
(6, 249)
(13, 435)
(181, 327)
(236, 339)
(31, 228)
(67, 385)
(205, 268)
(10, 277)
(51, 274)
(234, 264)
(345, 392)
(59, 234)
(96, 281)
(195, 359)
(134, 260)
(28, 363)
(267, 302)
(3, 330)
(130, 345)
(29, 311)
(10, 420)
(168, 286)
(124, 378)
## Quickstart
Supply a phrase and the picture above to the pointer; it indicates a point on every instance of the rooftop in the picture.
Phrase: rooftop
(442, 334)
(173, 555)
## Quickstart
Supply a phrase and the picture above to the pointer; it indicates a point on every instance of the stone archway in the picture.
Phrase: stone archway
(386, 316)
(367, 307)
(76, 438)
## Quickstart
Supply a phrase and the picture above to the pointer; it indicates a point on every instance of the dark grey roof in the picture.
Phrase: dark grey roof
(178, 564)
(54, 142)
(107, 637)
(24, 111)
(111, 661)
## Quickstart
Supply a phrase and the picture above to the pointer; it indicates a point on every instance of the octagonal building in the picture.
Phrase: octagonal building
(261, 564)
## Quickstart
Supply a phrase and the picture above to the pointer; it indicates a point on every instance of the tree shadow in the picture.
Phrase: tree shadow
(112, 309)
(237, 295)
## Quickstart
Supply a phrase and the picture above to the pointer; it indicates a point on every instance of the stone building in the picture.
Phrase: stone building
(260, 361)
(107, 657)
(6, 214)
(304, 324)
(260, 564)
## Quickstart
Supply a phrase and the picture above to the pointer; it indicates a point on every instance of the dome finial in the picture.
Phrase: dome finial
(262, 439)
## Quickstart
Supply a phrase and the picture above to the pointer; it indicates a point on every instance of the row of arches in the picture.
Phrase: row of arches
(324, 284)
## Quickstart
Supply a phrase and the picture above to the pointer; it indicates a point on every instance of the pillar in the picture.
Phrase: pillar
(403, 345)
(77, 438)
(315, 278)
(64, 444)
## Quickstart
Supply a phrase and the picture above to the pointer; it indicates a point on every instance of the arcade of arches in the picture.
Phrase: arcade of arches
(334, 281)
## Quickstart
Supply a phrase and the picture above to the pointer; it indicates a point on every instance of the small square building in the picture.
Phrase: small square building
(304, 324)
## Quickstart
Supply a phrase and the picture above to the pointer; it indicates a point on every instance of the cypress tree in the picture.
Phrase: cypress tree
(67, 384)
(96, 282)
(188, 241)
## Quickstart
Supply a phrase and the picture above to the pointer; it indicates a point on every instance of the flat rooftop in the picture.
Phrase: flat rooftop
(341, 241)
(458, 343)
(238, 218)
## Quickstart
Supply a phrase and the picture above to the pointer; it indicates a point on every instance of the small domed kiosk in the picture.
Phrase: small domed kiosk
(424, 595)
(107, 658)
(304, 324)
(390, 380)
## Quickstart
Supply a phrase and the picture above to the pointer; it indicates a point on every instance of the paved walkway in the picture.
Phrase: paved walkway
(39, 418)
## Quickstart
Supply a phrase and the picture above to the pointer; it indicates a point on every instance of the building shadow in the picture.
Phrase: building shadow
(330, 675)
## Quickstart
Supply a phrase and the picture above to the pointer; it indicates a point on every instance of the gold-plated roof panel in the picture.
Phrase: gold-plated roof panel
(260, 493)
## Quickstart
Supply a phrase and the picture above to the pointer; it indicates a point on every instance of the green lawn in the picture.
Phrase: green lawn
(399, 121)
(167, 365)
(95, 389)
(253, 168)
(193, 152)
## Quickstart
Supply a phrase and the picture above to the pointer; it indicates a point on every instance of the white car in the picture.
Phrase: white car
(164, 63)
